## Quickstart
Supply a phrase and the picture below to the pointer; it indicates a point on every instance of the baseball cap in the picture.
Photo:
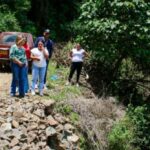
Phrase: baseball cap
(47, 30)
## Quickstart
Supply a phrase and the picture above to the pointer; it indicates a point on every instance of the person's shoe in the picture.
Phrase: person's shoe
(36, 86)
(27, 91)
(41, 93)
(21, 96)
(12, 94)
(68, 83)
(33, 92)
(87, 77)
(77, 85)
(45, 87)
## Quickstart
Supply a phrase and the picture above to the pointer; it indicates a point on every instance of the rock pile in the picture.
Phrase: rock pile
(30, 124)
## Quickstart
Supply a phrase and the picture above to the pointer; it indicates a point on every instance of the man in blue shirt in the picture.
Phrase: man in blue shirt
(48, 43)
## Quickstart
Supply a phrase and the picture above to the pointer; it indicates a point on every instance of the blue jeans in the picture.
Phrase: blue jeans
(26, 80)
(26, 84)
(38, 73)
(18, 79)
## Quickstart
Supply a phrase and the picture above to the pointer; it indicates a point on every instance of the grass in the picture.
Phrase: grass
(122, 135)
(57, 78)
(67, 110)
(74, 117)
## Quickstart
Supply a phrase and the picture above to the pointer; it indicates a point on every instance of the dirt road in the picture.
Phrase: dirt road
(5, 81)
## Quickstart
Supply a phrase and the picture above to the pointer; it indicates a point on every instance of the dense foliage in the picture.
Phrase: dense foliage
(15, 14)
(122, 135)
(132, 132)
(56, 15)
(8, 20)
(118, 34)
(140, 116)
(113, 28)
(36, 15)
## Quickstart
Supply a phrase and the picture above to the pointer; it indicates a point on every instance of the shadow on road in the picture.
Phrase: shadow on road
(5, 70)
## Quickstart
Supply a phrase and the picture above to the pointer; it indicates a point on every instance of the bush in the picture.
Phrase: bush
(8, 20)
(140, 117)
(128, 85)
(121, 136)
(133, 131)
(61, 53)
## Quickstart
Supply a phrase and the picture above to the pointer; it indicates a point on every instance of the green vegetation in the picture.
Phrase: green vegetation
(67, 110)
(74, 117)
(133, 131)
(57, 78)
(116, 31)
(121, 137)
(8, 20)
(83, 143)
(36, 15)
(140, 116)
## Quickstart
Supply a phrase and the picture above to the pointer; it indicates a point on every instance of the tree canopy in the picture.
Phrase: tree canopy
(118, 33)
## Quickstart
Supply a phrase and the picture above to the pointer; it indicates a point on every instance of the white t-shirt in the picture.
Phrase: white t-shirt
(36, 52)
(77, 55)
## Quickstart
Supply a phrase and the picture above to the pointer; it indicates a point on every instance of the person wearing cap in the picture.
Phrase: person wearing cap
(48, 43)
(18, 64)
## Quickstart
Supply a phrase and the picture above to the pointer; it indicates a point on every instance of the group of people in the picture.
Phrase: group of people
(40, 56)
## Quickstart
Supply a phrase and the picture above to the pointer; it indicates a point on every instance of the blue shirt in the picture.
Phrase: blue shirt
(47, 43)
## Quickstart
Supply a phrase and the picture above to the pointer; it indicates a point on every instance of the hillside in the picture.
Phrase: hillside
(66, 116)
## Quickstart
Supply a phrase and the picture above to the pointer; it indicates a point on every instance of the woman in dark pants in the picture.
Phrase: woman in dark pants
(77, 55)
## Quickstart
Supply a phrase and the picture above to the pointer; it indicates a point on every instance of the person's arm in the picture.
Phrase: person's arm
(50, 48)
(34, 57)
(16, 61)
(45, 52)
(12, 53)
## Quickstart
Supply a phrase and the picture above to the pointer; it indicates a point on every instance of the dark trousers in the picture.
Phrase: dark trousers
(47, 62)
(75, 66)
